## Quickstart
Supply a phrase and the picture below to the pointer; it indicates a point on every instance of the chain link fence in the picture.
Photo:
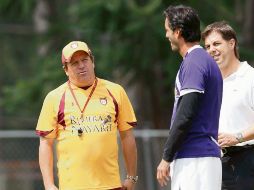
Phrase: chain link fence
(19, 168)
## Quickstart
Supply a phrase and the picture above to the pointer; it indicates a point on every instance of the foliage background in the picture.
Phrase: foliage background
(127, 38)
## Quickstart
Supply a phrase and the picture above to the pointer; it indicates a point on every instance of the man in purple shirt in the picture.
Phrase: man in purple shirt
(192, 143)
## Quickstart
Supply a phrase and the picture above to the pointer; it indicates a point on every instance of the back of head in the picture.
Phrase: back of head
(226, 31)
(186, 19)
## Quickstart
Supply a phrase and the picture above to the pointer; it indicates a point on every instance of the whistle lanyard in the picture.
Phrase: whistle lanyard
(88, 99)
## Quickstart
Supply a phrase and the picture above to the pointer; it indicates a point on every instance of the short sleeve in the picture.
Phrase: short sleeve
(252, 96)
(47, 122)
(126, 118)
(192, 78)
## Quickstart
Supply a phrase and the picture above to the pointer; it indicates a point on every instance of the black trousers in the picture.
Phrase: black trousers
(238, 169)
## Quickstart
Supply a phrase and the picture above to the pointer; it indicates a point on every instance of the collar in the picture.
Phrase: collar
(192, 48)
(240, 72)
(244, 66)
(74, 87)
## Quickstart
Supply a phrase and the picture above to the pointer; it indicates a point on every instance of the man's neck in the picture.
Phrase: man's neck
(232, 66)
(186, 46)
(86, 84)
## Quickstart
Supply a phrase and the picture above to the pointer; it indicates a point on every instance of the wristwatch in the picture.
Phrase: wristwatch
(239, 137)
(133, 179)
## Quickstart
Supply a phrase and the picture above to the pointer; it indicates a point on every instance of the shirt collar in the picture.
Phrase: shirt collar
(242, 69)
(192, 48)
(244, 66)
(74, 87)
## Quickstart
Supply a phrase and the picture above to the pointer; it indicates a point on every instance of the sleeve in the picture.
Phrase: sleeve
(47, 122)
(126, 118)
(252, 96)
(192, 78)
(186, 111)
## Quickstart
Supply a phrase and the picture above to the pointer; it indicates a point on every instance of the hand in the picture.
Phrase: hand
(163, 173)
(226, 140)
(128, 185)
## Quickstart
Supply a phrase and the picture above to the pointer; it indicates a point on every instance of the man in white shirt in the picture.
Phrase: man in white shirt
(236, 126)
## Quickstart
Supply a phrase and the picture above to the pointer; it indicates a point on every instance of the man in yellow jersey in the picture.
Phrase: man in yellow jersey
(83, 116)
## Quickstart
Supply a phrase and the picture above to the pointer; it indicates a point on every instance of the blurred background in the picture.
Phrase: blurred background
(128, 40)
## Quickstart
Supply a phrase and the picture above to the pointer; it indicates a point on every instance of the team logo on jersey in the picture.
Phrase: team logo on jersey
(103, 101)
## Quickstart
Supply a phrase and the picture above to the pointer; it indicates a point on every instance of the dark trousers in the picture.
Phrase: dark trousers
(238, 169)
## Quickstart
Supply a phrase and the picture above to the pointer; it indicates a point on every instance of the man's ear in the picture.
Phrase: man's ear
(232, 43)
(65, 68)
(178, 32)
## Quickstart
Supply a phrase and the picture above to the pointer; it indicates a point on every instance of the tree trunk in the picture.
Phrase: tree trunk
(248, 26)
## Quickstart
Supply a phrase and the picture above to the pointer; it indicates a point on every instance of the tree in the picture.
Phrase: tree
(127, 38)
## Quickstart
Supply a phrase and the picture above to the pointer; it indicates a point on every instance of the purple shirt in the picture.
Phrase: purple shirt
(200, 73)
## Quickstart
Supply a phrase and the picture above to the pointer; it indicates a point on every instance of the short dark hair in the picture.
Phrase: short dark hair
(186, 19)
(226, 31)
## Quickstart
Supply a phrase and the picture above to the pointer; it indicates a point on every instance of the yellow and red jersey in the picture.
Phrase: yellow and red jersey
(87, 146)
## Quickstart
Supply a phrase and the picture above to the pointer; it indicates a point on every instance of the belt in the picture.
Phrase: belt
(236, 149)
